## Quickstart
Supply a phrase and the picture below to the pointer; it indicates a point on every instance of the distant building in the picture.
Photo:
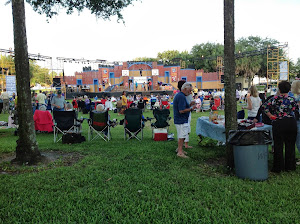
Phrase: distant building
(132, 73)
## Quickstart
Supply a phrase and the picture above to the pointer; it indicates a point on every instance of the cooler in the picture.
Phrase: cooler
(160, 134)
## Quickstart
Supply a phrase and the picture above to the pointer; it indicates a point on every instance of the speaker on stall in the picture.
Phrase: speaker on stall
(222, 79)
(56, 82)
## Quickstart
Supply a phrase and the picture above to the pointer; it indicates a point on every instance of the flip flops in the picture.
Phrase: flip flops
(182, 156)
(182, 151)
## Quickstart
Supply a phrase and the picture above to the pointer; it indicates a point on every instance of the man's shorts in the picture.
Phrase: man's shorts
(182, 130)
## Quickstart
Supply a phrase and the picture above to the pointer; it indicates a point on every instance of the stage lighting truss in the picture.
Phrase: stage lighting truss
(37, 57)
(80, 61)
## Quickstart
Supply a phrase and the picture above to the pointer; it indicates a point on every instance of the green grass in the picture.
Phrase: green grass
(142, 182)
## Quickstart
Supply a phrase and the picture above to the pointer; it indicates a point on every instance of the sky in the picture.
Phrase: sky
(151, 26)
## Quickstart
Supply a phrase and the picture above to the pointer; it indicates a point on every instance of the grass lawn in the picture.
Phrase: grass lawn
(142, 182)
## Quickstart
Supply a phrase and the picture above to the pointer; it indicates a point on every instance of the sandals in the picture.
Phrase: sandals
(182, 151)
(189, 147)
(182, 156)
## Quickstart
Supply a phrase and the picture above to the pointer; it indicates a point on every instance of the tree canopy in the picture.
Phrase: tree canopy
(168, 55)
(101, 8)
(251, 56)
(205, 55)
(38, 74)
(295, 69)
(251, 65)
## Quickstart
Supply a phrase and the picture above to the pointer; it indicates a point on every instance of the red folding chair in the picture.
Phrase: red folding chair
(217, 102)
(43, 121)
(165, 104)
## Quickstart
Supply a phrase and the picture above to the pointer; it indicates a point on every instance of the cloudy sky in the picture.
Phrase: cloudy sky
(152, 26)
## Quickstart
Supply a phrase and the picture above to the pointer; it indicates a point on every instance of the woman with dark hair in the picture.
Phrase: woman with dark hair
(285, 111)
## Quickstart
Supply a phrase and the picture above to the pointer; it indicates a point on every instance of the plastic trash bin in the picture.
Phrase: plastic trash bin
(250, 149)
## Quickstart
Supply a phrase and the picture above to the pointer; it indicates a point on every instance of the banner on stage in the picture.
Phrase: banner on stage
(155, 72)
(125, 72)
(105, 75)
(140, 80)
(283, 70)
(174, 74)
(11, 84)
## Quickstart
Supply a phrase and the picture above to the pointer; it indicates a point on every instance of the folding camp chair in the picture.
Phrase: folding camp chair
(65, 122)
(241, 114)
(133, 123)
(43, 121)
(205, 105)
(164, 104)
(99, 123)
(141, 105)
(162, 119)
(217, 102)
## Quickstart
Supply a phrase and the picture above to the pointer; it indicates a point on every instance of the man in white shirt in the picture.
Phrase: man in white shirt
(5, 98)
(41, 98)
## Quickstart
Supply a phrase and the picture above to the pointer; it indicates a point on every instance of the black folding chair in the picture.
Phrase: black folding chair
(141, 105)
(99, 123)
(241, 114)
(133, 124)
(162, 118)
(65, 122)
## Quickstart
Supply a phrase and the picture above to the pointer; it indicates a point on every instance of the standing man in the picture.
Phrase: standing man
(149, 85)
(195, 91)
(152, 101)
(5, 98)
(58, 102)
(182, 110)
(103, 85)
(41, 98)
(124, 103)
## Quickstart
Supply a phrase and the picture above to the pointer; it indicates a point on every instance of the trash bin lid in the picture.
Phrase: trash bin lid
(250, 137)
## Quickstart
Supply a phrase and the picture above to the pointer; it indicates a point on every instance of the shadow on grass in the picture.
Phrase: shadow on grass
(53, 159)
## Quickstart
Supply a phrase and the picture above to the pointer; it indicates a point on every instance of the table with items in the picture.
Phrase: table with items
(215, 128)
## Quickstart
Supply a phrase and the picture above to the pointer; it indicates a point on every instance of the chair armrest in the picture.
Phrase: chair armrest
(89, 120)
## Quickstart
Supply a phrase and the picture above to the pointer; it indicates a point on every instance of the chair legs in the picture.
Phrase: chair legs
(57, 131)
(133, 134)
(98, 134)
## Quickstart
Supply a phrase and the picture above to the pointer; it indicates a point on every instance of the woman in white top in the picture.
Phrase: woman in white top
(253, 102)
(295, 88)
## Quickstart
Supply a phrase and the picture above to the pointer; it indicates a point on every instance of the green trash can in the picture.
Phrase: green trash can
(250, 149)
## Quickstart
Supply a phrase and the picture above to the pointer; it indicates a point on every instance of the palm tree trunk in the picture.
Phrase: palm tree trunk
(229, 76)
(27, 149)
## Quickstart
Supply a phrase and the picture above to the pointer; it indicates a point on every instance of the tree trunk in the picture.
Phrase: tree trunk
(27, 148)
(229, 76)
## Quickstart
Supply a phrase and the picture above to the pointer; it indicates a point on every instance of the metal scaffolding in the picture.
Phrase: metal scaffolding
(277, 64)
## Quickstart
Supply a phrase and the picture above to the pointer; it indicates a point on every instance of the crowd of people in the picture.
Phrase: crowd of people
(280, 110)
